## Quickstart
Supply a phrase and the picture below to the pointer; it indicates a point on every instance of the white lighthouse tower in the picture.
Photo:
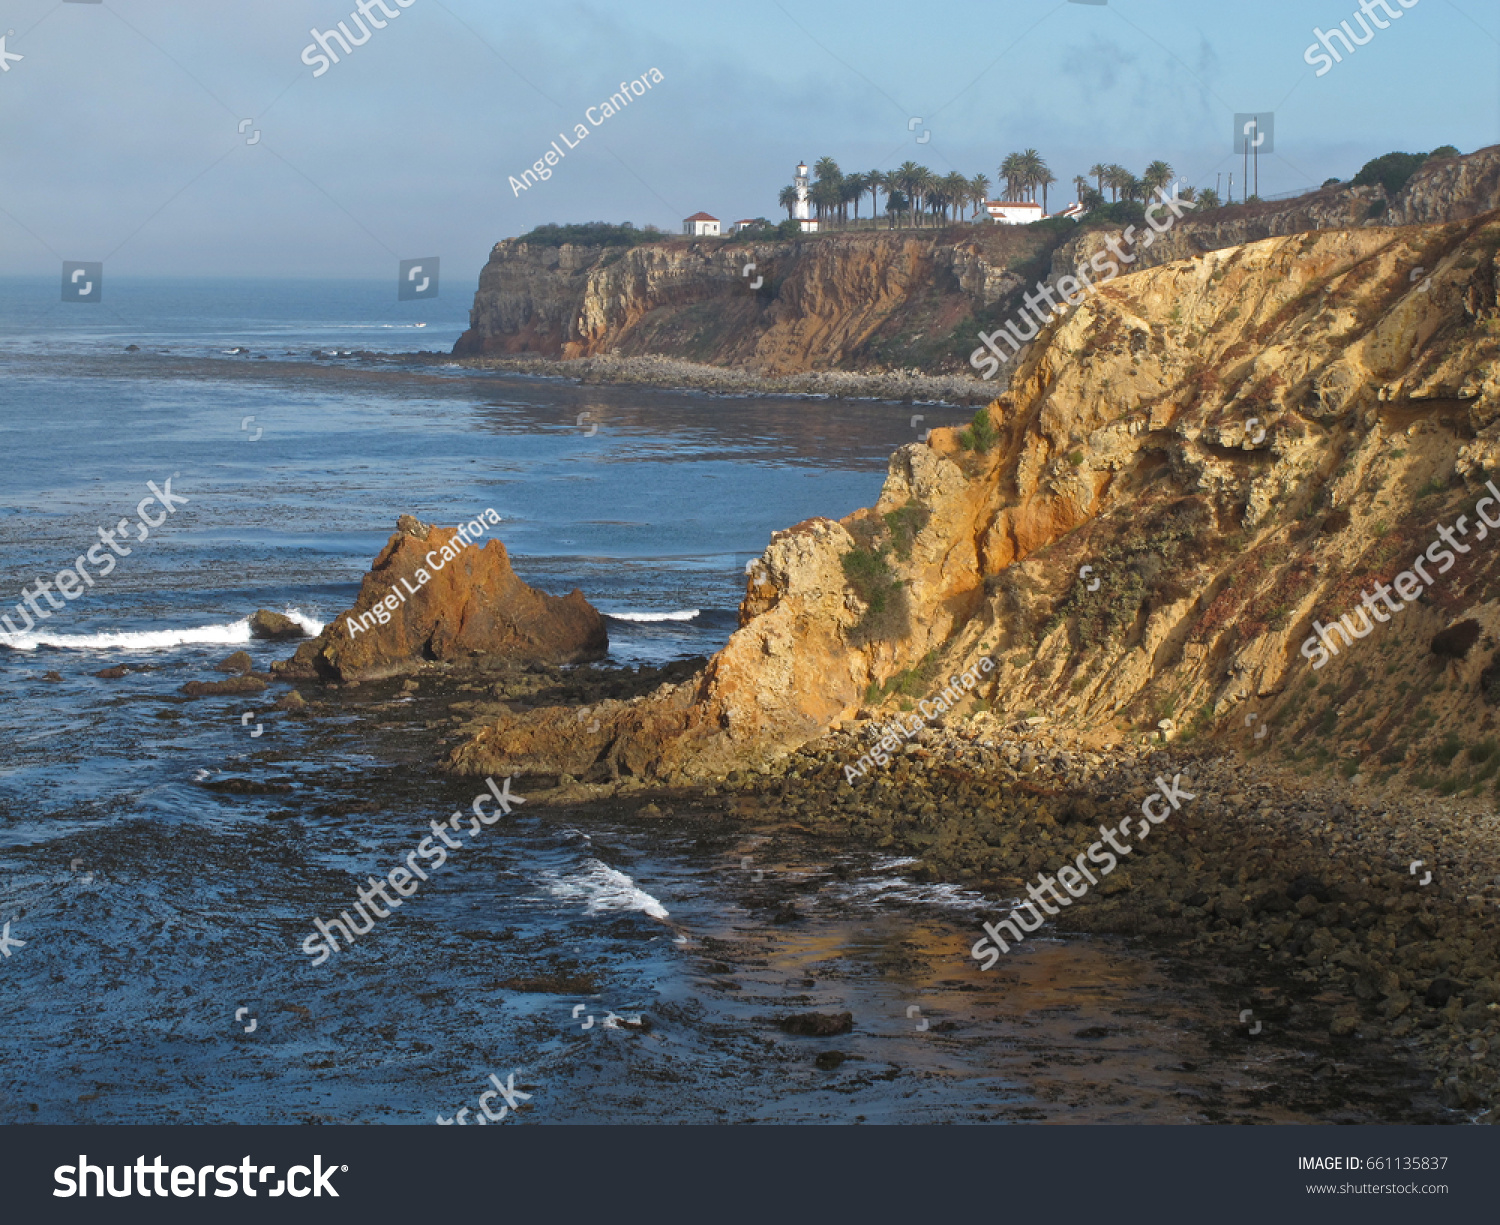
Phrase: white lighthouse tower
(799, 208)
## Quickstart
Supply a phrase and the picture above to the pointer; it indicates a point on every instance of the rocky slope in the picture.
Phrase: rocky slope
(1235, 445)
(1446, 189)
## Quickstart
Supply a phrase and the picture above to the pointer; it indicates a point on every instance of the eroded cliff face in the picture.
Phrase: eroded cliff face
(1235, 445)
(819, 305)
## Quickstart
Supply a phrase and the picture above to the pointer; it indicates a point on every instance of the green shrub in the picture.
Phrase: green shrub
(1391, 171)
(1448, 750)
(1120, 214)
(591, 234)
(868, 573)
(905, 525)
(980, 434)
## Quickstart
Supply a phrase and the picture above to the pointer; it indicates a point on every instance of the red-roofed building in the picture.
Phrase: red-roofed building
(700, 225)
(1012, 212)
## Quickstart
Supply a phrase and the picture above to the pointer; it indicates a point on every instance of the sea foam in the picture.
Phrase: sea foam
(228, 634)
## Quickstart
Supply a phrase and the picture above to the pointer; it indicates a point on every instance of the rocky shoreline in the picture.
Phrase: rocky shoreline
(1301, 893)
(906, 386)
(1305, 893)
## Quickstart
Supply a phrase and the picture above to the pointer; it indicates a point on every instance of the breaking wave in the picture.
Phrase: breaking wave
(603, 889)
(227, 634)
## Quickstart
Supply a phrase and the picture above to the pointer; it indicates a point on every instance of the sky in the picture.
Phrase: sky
(121, 123)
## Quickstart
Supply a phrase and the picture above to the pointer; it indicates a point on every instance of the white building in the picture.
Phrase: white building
(1011, 212)
(744, 223)
(700, 225)
(800, 211)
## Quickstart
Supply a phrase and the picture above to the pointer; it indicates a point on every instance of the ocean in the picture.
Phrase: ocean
(154, 971)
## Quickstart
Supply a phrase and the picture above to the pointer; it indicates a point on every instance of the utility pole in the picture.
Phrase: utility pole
(1231, 187)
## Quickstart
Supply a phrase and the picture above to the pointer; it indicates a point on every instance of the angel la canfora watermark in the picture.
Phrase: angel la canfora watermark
(541, 169)
(900, 729)
(467, 533)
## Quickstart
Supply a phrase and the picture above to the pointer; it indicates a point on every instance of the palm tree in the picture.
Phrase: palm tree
(937, 200)
(1099, 171)
(1209, 198)
(1034, 168)
(1091, 198)
(915, 185)
(1044, 180)
(1116, 177)
(979, 191)
(829, 179)
(956, 188)
(854, 188)
(1080, 182)
(788, 200)
(1158, 174)
(1014, 174)
(927, 187)
(875, 183)
(905, 179)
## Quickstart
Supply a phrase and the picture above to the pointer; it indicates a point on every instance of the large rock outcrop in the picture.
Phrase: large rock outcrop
(436, 594)
(847, 303)
(1191, 468)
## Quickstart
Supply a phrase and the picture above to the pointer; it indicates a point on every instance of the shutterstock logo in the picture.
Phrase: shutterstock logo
(188, 1181)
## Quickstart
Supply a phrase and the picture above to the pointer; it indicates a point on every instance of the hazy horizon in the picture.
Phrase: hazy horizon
(122, 139)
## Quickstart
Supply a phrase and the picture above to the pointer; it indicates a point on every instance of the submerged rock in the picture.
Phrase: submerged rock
(818, 1024)
(434, 594)
(274, 627)
(215, 689)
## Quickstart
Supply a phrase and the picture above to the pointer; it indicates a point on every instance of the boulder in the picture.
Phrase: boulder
(818, 1024)
(436, 594)
(235, 685)
(239, 662)
(274, 627)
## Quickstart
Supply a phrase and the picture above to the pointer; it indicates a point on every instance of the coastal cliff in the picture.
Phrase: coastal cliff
(872, 301)
(864, 300)
(1189, 470)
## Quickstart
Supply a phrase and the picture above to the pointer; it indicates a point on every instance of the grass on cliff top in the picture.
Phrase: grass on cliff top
(592, 234)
